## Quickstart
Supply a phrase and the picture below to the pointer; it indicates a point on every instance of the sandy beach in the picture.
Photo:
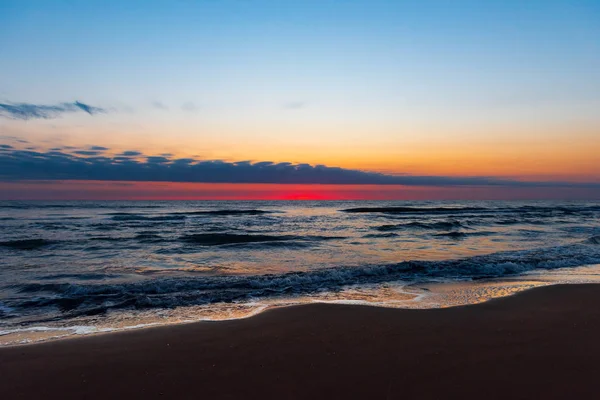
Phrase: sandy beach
(541, 343)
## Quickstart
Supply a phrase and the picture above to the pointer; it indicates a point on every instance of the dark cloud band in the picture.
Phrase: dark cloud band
(86, 164)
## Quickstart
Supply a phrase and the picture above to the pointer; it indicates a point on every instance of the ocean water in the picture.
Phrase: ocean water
(82, 267)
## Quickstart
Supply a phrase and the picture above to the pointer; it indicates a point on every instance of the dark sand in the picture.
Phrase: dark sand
(540, 344)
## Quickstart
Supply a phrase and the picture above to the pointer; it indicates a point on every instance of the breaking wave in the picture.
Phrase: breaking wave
(75, 299)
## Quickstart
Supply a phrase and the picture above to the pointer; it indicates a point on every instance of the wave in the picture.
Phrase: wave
(226, 212)
(542, 210)
(457, 235)
(381, 235)
(512, 221)
(138, 217)
(5, 311)
(442, 225)
(75, 299)
(107, 238)
(401, 210)
(590, 230)
(104, 227)
(81, 276)
(557, 209)
(149, 237)
(26, 244)
(182, 215)
(561, 209)
(53, 226)
(594, 240)
(218, 239)
(452, 235)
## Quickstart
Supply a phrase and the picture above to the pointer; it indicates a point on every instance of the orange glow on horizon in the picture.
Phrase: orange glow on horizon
(567, 152)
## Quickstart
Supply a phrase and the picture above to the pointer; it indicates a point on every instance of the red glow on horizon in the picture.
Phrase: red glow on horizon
(112, 190)
(307, 195)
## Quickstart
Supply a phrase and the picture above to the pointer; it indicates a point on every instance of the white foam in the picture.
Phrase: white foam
(78, 330)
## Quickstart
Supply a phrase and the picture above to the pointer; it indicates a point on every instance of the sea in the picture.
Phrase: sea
(86, 267)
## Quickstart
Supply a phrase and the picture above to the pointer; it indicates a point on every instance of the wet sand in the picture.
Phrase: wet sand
(542, 343)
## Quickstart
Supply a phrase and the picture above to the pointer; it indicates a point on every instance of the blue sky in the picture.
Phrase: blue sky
(217, 51)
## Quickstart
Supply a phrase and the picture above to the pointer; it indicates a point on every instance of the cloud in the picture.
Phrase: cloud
(130, 153)
(159, 105)
(98, 148)
(295, 105)
(25, 111)
(13, 139)
(87, 152)
(157, 160)
(189, 106)
(134, 166)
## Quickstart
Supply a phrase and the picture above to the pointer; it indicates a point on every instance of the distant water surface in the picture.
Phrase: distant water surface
(79, 267)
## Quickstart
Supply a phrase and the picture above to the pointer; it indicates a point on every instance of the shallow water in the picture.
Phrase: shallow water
(81, 267)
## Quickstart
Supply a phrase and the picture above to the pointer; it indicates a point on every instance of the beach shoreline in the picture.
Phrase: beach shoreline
(540, 343)
(424, 295)
(403, 295)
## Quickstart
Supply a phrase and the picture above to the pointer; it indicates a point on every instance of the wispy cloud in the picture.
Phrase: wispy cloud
(25, 111)
(87, 152)
(160, 105)
(13, 139)
(189, 106)
(295, 105)
(132, 165)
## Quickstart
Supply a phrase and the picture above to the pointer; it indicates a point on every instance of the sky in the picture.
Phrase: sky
(281, 99)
